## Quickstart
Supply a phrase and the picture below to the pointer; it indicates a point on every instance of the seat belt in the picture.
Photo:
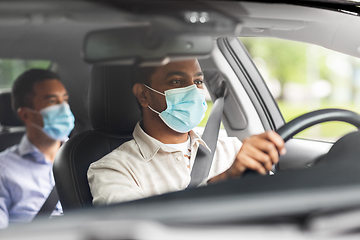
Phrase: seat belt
(49, 204)
(203, 157)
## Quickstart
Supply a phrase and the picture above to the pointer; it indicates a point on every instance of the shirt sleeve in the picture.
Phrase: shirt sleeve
(112, 183)
(4, 204)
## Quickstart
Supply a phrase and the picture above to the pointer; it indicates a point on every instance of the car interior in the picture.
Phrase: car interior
(81, 39)
(12, 129)
(109, 130)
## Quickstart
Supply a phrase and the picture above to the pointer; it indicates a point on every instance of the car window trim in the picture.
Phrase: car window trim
(255, 86)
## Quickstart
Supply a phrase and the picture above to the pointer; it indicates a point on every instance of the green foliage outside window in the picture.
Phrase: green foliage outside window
(304, 77)
(10, 69)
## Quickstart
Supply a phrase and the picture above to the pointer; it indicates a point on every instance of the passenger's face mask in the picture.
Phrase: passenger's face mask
(58, 121)
(185, 108)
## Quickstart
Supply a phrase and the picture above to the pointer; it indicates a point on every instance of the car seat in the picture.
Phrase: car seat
(11, 128)
(113, 113)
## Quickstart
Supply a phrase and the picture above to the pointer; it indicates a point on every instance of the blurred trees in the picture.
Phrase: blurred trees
(304, 77)
(10, 69)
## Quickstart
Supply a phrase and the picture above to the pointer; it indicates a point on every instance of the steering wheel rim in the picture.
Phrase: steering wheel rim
(307, 120)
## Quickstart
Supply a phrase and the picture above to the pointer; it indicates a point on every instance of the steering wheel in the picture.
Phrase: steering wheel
(309, 119)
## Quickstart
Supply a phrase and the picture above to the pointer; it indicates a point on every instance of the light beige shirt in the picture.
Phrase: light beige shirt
(144, 166)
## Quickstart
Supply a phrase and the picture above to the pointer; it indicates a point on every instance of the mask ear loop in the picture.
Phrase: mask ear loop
(33, 111)
(37, 126)
(33, 124)
(154, 90)
(153, 110)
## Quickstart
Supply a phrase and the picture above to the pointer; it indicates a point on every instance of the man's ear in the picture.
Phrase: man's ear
(139, 92)
(23, 114)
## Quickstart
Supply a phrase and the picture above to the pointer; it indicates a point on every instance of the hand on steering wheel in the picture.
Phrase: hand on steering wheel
(309, 119)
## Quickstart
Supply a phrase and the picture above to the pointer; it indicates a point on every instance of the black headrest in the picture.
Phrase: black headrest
(7, 115)
(112, 106)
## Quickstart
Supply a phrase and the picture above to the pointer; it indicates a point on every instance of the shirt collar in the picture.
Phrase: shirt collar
(196, 139)
(27, 148)
(149, 146)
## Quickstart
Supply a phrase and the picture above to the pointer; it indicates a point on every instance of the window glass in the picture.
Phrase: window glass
(208, 111)
(200, 128)
(304, 77)
(202, 124)
(10, 69)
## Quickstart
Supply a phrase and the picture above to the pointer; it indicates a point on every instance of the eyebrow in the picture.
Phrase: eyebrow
(183, 74)
(53, 95)
(198, 74)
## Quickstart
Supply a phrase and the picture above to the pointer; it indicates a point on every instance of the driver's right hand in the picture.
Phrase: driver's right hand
(258, 153)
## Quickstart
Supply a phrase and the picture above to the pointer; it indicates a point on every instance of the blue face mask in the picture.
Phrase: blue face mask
(186, 108)
(58, 121)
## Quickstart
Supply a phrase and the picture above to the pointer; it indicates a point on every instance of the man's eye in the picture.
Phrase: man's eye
(176, 81)
(199, 82)
(52, 101)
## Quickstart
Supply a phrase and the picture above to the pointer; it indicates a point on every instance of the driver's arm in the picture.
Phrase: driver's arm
(110, 184)
(258, 153)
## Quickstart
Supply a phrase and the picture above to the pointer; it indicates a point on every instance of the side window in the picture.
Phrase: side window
(304, 77)
(202, 124)
(10, 69)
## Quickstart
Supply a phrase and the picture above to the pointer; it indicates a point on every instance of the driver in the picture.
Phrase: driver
(160, 156)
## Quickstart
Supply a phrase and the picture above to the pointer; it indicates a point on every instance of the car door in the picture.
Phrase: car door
(301, 153)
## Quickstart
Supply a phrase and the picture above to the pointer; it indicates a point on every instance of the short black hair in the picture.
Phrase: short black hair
(22, 93)
(142, 75)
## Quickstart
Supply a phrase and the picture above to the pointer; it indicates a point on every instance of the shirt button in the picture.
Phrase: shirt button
(179, 158)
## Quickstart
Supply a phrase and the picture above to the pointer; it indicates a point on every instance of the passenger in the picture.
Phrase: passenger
(160, 156)
(26, 177)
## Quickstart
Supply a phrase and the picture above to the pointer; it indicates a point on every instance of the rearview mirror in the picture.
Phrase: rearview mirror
(145, 44)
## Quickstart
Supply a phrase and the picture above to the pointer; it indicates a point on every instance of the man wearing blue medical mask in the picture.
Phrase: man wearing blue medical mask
(26, 179)
(160, 157)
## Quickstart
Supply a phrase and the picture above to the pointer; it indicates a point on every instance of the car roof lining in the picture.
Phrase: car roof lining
(291, 22)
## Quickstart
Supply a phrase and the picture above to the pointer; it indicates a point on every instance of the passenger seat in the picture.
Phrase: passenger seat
(11, 128)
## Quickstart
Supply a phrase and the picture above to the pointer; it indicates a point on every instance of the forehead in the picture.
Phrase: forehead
(189, 67)
(49, 86)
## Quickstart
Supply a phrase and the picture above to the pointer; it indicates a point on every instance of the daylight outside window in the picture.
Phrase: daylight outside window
(10, 69)
(304, 77)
